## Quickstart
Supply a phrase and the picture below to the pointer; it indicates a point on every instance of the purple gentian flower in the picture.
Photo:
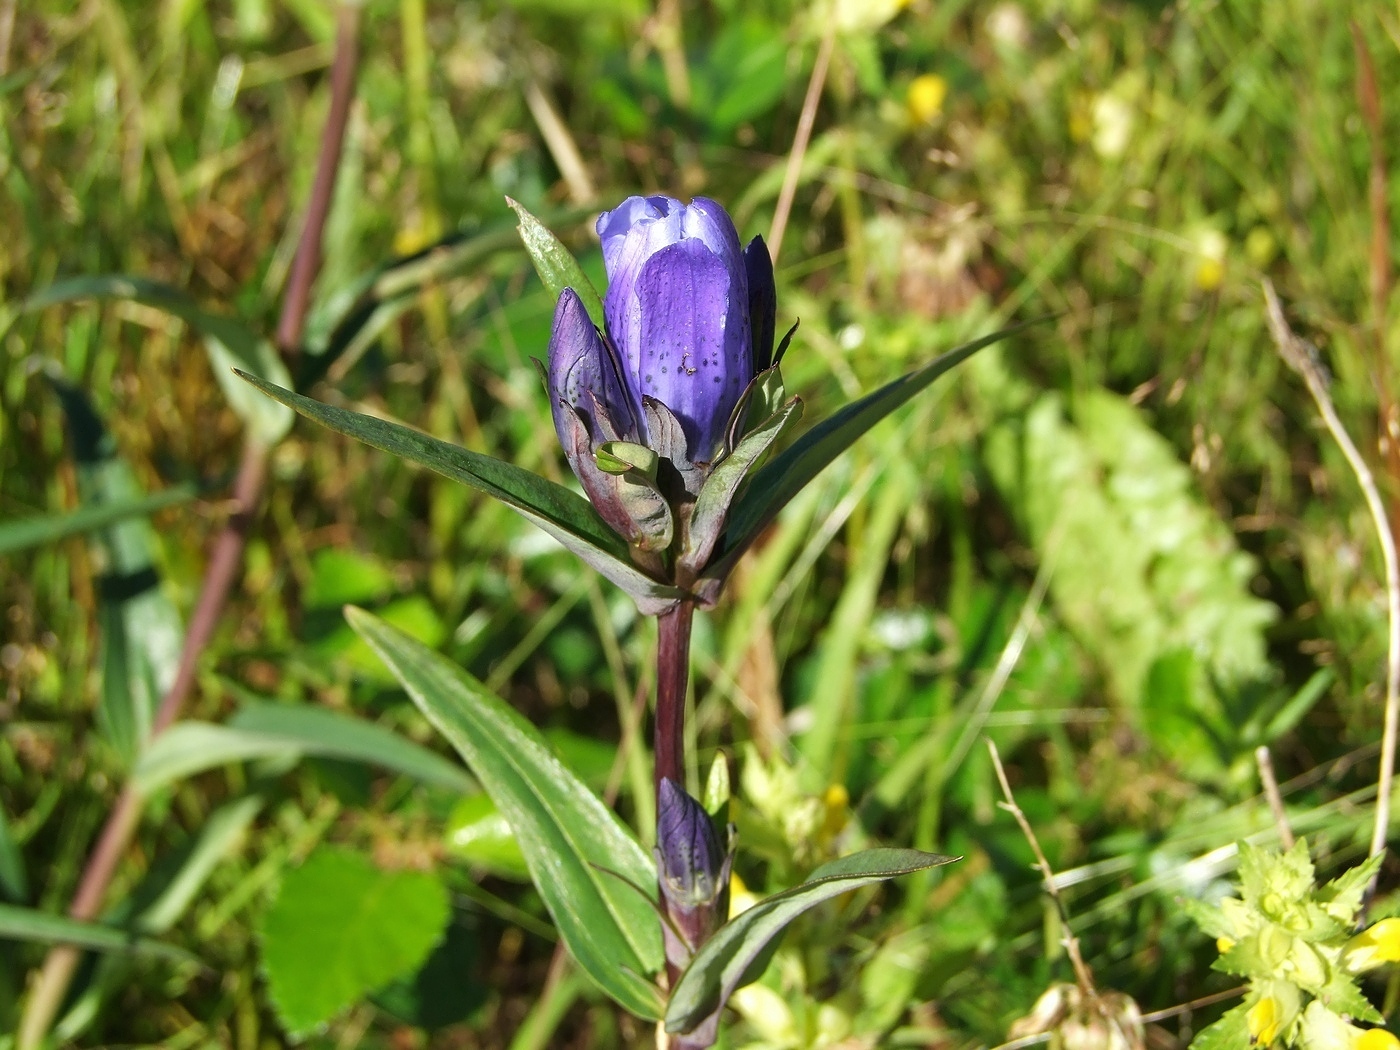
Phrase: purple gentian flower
(689, 321)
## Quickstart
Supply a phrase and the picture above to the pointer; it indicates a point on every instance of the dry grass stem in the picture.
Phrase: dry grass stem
(1071, 943)
(799, 143)
(1265, 762)
(1302, 357)
(561, 145)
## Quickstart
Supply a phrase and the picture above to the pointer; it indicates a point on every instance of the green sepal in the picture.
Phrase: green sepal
(618, 457)
(556, 265)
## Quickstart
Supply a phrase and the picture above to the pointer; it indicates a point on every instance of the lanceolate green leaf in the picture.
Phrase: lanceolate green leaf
(141, 630)
(274, 731)
(50, 528)
(565, 832)
(726, 960)
(334, 734)
(556, 265)
(187, 748)
(789, 472)
(13, 883)
(227, 341)
(566, 516)
(27, 924)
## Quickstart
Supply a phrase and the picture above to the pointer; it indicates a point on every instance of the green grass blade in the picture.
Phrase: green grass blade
(332, 734)
(13, 883)
(272, 731)
(50, 528)
(27, 924)
(228, 342)
(141, 631)
(565, 832)
(187, 748)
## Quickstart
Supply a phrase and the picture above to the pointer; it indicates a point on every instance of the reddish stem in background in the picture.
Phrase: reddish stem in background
(308, 258)
(672, 675)
(225, 559)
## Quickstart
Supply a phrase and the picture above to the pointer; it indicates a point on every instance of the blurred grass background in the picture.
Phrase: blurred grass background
(1119, 545)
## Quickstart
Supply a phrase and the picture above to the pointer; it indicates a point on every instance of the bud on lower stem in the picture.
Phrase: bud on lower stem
(693, 868)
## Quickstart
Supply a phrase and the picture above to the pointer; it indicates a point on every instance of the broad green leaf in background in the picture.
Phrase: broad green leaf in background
(275, 731)
(478, 833)
(228, 342)
(340, 928)
(565, 832)
(556, 265)
(562, 513)
(1182, 612)
(788, 473)
(142, 635)
(728, 959)
(27, 924)
(50, 528)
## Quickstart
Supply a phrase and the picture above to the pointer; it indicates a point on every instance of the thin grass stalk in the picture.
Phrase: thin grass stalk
(1301, 356)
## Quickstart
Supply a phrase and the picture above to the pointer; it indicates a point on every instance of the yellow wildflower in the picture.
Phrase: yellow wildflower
(925, 97)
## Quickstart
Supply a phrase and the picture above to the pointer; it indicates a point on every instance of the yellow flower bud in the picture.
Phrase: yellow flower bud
(1376, 1039)
(1224, 944)
(1275, 1010)
(925, 97)
(1377, 944)
(1265, 1018)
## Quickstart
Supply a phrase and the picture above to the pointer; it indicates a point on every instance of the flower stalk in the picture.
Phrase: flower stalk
(672, 679)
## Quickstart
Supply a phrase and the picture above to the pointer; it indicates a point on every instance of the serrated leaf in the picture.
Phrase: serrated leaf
(566, 516)
(228, 342)
(1343, 895)
(789, 472)
(340, 928)
(28, 924)
(1231, 1032)
(556, 265)
(726, 960)
(565, 832)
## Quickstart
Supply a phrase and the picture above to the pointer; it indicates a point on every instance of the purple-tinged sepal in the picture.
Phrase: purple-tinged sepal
(763, 302)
